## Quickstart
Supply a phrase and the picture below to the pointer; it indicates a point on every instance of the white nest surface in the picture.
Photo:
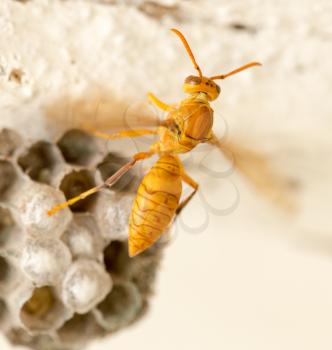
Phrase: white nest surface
(254, 279)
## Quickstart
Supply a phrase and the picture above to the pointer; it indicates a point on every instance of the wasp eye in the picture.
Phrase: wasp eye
(193, 80)
(218, 88)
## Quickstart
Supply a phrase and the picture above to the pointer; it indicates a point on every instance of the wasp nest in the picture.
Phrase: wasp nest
(66, 279)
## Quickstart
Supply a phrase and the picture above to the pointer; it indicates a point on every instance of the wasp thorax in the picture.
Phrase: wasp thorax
(194, 85)
(199, 125)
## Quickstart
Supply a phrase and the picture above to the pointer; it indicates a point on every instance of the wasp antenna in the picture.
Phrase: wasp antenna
(235, 71)
(190, 53)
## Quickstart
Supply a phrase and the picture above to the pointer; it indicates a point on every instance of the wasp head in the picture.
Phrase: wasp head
(194, 85)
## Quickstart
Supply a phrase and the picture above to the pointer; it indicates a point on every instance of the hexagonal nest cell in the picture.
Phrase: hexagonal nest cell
(8, 276)
(7, 225)
(42, 311)
(59, 295)
(8, 178)
(39, 161)
(113, 162)
(3, 310)
(116, 258)
(78, 147)
(4, 270)
(122, 306)
(75, 183)
(79, 329)
(19, 336)
(140, 270)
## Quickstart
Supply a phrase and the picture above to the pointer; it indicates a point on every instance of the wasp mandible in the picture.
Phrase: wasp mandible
(187, 124)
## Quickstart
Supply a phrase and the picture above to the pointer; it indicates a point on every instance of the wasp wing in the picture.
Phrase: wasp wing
(256, 167)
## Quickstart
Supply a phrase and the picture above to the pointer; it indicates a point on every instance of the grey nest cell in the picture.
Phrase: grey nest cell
(66, 279)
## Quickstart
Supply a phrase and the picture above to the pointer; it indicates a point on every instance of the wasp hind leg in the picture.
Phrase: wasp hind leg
(167, 237)
(108, 183)
(192, 183)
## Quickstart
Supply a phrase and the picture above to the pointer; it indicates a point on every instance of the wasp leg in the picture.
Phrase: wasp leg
(122, 134)
(155, 100)
(192, 183)
(109, 182)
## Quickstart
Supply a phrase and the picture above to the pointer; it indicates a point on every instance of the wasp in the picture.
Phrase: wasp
(188, 124)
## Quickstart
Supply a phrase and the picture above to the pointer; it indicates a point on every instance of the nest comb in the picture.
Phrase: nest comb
(66, 279)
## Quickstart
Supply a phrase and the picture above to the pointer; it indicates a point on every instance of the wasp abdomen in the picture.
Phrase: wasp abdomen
(155, 204)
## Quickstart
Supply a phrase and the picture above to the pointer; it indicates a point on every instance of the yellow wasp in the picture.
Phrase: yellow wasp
(187, 124)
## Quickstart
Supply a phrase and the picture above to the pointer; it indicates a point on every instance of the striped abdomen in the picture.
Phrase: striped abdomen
(155, 204)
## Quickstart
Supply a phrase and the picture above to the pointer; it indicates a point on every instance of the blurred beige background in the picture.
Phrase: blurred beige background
(255, 278)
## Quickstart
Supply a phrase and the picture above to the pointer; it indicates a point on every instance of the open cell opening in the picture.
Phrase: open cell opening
(144, 268)
(43, 310)
(121, 306)
(39, 161)
(8, 276)
(110, 164)
(7, 225)
(74, 184)
(78, 328)
(116, 258)
(78, 147)
(3, 310)
(19, 336)
(8, 178)
(5, 270)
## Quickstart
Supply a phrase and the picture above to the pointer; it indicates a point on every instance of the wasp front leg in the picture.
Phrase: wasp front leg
(122, 134)
(155, 100)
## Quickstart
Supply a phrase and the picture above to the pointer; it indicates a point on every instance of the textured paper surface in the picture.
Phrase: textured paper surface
(253, 279)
